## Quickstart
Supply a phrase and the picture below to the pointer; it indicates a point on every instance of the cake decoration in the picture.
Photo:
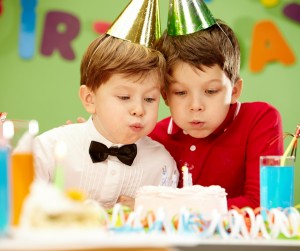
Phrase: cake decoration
(48, 207)
(244, 223)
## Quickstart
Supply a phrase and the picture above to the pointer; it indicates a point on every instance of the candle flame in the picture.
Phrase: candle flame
(184, 168)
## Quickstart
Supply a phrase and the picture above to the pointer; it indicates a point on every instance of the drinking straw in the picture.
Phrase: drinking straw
(3, 116)
(292, 147)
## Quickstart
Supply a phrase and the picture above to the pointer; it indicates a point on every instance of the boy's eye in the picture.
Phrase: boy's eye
(211, 91)
(180, 93)
(123, 97)
(149, 100)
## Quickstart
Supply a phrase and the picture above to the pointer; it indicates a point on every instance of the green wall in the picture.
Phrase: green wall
(46, 88)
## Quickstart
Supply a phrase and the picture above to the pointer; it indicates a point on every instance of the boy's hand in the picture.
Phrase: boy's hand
(79, 120)
(126, 201)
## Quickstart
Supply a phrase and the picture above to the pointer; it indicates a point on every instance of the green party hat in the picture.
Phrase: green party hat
(139, 23)
(188, 16)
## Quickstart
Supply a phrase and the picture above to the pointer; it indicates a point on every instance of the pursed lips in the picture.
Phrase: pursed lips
(196, 123)
(136, 126)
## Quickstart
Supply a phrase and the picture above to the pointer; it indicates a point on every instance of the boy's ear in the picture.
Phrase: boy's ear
(165, 97)
(236, 91)
(87, 98)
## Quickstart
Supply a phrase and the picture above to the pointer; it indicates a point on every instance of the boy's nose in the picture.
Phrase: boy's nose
(196, 104)
(137, 110)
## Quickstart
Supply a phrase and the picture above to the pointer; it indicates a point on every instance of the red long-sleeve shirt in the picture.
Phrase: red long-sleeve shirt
(229, 157)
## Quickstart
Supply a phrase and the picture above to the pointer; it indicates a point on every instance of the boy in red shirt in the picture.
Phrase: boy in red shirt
(210, 131)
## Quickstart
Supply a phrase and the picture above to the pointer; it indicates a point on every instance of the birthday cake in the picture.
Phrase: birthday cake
(49, 207)
(172, 201)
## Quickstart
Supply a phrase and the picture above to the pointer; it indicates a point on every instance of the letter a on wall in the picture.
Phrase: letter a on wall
(268, 45)
(60, 29)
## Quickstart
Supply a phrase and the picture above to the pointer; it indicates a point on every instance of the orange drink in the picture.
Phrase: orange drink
(22, 173)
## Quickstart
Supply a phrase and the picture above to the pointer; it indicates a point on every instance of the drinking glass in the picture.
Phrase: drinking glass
(277, 181)
(22, 166)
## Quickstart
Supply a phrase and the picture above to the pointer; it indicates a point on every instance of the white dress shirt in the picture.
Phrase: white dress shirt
(104, 181)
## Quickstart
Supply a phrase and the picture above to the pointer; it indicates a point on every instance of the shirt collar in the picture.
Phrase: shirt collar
(231, 115)
(172, 127)
(95, 135)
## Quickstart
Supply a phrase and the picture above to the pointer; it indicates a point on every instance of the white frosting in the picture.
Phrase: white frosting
(195, 198)
(195, 191)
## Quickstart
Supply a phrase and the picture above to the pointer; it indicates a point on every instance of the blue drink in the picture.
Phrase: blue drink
(277, 184)
(4, 190)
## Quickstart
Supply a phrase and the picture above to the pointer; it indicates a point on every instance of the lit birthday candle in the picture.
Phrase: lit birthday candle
(59, 153)
(185, 175)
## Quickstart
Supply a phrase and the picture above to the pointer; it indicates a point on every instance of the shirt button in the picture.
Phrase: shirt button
(193, 148)
(113, 172)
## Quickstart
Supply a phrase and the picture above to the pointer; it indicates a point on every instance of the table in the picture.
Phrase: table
(97, 240)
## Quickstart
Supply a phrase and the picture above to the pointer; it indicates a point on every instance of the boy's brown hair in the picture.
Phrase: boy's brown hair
(108, 55)
(215, 45)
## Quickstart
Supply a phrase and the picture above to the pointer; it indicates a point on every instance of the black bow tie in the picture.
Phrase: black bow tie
(99, 152)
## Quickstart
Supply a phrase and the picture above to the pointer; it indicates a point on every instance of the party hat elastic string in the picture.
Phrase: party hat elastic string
(225, 35)
(95, 50)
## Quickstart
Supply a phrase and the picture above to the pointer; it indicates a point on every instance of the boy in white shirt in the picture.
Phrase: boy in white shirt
(110, 156)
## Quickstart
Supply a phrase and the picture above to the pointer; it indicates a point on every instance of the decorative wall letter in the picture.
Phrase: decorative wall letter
(1, 7)
(292, 11)
(269, 3)
(27, 29)
(60, 29)
(268, 45)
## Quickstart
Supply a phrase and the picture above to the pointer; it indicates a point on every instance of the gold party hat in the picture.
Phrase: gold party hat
(188, 16)
(139, 23)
